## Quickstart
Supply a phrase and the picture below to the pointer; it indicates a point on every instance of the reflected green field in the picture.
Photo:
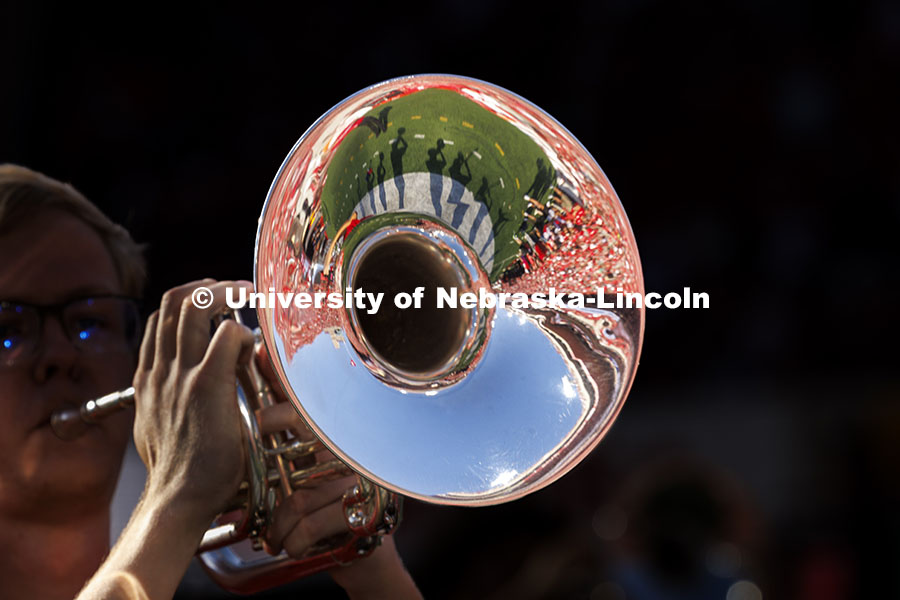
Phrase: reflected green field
(440, 132)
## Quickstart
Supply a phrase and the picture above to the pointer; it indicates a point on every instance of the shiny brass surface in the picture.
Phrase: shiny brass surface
(485, 192)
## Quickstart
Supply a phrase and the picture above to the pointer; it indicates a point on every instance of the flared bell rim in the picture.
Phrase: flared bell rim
(553, 464)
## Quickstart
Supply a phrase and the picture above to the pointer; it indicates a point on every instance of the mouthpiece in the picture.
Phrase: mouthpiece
(71, 423)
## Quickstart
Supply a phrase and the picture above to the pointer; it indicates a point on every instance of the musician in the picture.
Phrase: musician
(68, 333)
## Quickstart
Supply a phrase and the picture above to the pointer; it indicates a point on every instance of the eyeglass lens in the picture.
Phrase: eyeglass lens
(105, 324)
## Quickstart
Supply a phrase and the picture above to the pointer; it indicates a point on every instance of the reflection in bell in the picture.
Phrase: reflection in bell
(415, 348)
(441, 181)
(417, 340)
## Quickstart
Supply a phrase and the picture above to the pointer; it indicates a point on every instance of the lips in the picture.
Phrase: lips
(48, 413)
(44, 422)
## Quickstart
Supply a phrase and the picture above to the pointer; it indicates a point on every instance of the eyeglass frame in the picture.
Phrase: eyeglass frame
(57, 310)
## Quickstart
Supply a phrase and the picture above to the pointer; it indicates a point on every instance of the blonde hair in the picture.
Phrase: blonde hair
(24, 193)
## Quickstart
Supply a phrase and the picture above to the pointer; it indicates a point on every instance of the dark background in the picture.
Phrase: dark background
(755, 148)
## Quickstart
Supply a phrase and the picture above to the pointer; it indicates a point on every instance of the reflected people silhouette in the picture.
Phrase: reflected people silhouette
(456, 169)
(435, 165)
(397, 151)
(541, 181)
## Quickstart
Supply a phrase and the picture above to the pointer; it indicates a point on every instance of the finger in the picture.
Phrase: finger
(194, 320)
(264, 362)
(308, 505)
(169, 315)
(283, 417)
(323, 523)
(325, 455)
(148, 344)
(303, 503)
(231, 345)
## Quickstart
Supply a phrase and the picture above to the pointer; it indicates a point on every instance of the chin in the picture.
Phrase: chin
(81, 469)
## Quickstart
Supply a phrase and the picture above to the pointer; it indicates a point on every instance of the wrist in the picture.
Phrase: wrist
(176, 508)
(381, 575)
(153, 551)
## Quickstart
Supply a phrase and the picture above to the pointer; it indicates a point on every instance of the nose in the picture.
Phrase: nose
(56, 355)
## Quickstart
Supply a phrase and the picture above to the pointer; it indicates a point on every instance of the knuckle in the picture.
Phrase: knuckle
(140, 379)
(187, 305)
(169, 299)
(230, 327)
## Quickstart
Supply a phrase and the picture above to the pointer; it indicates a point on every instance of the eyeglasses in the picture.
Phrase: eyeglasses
(97, 325)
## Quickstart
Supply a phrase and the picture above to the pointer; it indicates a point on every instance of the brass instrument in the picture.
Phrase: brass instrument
(446, 184)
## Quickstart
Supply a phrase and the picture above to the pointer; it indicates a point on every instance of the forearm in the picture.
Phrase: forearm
(151, 555)
(381, 576)
(184, 388)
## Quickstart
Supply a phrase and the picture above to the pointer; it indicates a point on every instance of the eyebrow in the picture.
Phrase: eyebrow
(78, 293)
(92, 290)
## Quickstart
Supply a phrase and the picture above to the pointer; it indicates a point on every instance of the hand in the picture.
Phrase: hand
(187, 427)
(379, 576)
(187, 432)
(309, 515)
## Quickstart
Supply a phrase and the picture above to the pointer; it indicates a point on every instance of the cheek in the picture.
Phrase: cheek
(11, 443)
(18, 452)
(15, 390)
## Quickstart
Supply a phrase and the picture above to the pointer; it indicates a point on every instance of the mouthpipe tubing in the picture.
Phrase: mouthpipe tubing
(71, 423)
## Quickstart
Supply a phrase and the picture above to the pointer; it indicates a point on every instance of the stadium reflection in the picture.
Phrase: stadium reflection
(477, 177)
